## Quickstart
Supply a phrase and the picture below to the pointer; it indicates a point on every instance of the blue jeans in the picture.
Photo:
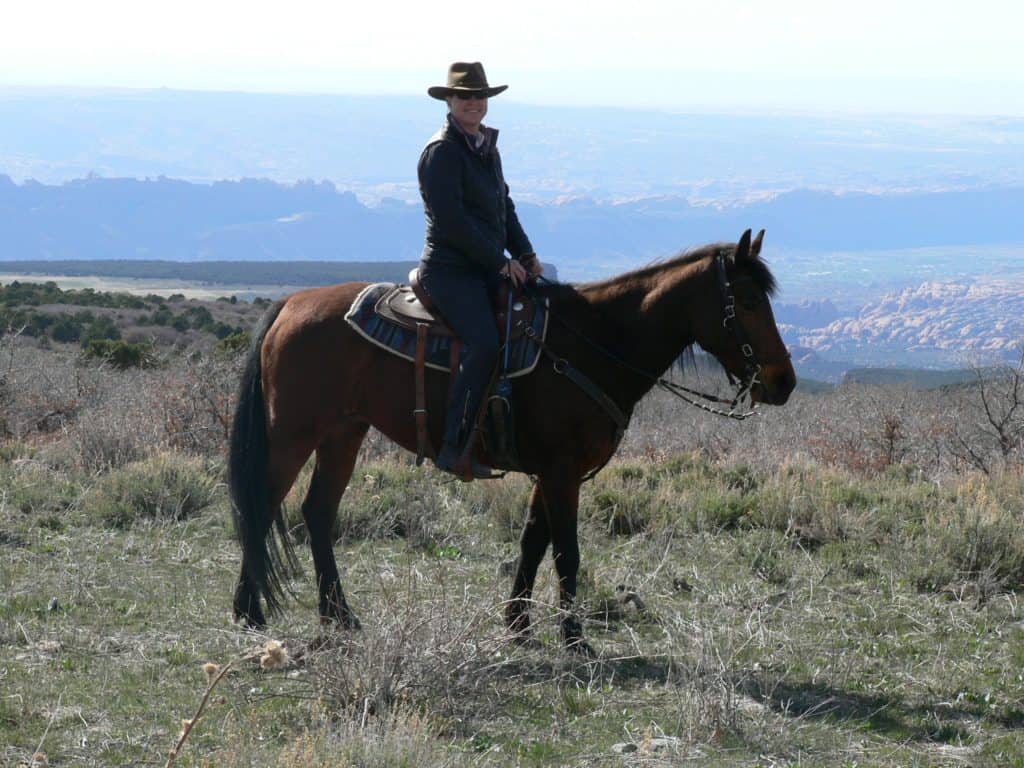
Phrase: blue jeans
(463, 299)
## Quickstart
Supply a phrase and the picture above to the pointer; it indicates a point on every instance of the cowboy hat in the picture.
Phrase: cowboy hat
(465, 77)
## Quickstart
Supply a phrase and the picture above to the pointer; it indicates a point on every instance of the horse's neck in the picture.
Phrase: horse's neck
(650, 319)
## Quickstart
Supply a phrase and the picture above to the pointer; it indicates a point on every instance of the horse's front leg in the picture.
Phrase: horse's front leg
(562, 501)
(532, 545)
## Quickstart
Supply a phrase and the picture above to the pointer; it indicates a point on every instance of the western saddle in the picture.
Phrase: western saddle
(411, 307)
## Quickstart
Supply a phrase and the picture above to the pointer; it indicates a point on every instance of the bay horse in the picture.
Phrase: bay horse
(312, 384)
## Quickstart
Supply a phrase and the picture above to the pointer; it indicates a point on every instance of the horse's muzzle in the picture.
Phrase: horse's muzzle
(774, 385)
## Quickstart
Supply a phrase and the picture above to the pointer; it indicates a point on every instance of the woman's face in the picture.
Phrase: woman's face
(468, 113)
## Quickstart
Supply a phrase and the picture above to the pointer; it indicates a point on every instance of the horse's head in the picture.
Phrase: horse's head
(741, 332)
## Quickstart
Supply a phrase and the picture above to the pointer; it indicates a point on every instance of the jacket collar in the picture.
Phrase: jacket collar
(490, 137)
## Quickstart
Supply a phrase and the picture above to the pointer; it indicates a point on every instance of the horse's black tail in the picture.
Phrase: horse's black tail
(266, 563)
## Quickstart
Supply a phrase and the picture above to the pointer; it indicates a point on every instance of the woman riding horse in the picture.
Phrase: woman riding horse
(471, 222)
(313, 384)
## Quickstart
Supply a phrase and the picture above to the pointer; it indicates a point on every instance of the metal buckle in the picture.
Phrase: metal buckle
(747, 350)
(561, 365)
(729, 312)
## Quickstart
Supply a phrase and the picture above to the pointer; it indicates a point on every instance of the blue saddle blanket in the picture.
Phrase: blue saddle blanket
(383, 332)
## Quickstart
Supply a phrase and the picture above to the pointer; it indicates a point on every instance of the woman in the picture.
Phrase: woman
(471, 222)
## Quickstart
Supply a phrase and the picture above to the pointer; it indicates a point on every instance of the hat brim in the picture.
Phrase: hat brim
(442, 92)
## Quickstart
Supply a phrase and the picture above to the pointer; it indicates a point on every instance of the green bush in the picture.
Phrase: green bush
(101, 328)
(235, 343)
(32, 488)
(166, 487)
(621, 512)
(724, 510)
(66, 330)
(14, 450)
(501, 504)
(120, 354)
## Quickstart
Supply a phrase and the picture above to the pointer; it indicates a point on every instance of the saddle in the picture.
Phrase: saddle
(410, 306)
(403, 320)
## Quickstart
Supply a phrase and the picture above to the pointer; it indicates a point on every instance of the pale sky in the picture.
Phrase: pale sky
(888, 55)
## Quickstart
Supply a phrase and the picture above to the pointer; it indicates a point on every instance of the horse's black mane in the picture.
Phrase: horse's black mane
(758, 271)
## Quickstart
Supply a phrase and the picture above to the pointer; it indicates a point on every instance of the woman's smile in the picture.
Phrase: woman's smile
(468, 112)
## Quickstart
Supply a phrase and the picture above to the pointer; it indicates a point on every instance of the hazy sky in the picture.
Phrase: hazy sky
(891, 55)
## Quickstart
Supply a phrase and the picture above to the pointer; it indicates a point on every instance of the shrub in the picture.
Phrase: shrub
(165, 487)
(14, 450)
(972, 538)
(66, 329)
(32, 488)
(101, 328)
(721, 511)
(120, 354)
(235, 343)
(621, 512)
(502, 503)
(101, 445)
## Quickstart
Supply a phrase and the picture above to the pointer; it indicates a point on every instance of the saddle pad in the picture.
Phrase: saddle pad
(389, 335)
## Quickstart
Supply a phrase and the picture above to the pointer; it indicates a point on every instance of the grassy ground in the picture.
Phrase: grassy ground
(798, 617)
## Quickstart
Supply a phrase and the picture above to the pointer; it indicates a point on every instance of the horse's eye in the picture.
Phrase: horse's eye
(749, 303)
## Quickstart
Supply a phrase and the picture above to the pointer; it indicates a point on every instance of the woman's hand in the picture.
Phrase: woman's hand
(515, 272)
(533, 265)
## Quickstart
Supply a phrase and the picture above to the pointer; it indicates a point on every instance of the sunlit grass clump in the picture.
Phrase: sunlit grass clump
(167, 487)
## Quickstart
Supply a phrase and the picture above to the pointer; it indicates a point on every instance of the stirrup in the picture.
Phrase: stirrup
(462, 465)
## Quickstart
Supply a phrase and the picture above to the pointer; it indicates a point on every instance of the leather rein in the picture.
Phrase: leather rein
(751, 366)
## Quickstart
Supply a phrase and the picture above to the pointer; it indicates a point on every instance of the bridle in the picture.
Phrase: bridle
(751, 362)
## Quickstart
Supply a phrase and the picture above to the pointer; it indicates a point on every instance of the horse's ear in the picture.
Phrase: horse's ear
(743, 247)
(755, 247)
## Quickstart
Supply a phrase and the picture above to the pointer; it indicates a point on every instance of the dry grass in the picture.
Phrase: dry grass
(719, 645)
(762, 594)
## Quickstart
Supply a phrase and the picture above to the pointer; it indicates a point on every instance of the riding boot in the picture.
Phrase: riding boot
(456, 454)
(460, 461)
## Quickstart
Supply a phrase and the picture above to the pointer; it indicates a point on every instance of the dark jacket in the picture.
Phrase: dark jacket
(471, 220)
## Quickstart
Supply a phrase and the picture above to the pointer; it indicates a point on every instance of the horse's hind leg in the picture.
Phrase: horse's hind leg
(247, 602)
(335, 459)
(285, 461)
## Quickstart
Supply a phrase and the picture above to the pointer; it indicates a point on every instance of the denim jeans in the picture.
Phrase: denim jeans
(462, 296)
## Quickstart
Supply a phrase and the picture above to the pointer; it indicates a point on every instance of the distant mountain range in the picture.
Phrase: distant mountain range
(895, 239)
(256, 220)
(370, 144)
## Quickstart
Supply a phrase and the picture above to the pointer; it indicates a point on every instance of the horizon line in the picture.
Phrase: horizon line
(782, 107)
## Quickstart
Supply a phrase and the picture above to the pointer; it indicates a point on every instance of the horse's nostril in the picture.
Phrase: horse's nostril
(779, 384)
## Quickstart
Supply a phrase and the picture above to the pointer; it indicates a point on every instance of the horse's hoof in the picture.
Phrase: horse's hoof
(524, 637)
(572, 634)
(581, 647)
(253, 623)
(347, 621)
(518, 622)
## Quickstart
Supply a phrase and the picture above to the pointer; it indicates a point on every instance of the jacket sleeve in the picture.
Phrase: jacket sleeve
(440, 176)
(516, 241)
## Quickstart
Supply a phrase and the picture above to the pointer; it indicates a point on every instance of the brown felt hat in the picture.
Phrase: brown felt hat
(465, 77)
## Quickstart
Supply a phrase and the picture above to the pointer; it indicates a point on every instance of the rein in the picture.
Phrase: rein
(751, 369)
